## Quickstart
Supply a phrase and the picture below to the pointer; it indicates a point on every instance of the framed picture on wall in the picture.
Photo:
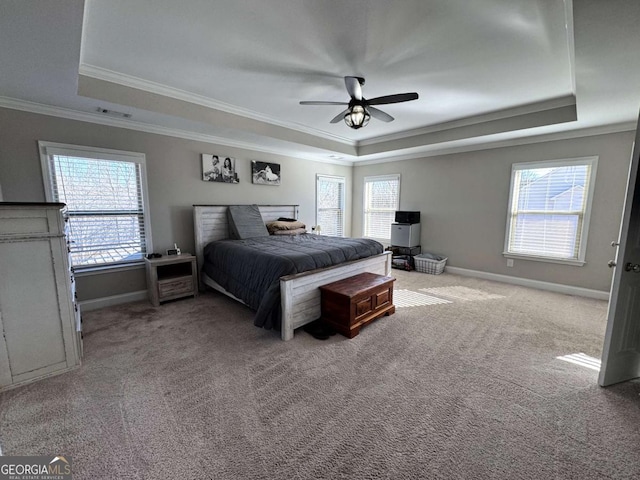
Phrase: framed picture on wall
(265, 173)
(216, 168)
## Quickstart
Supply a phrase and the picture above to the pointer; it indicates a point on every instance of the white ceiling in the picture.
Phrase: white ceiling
(486, 71)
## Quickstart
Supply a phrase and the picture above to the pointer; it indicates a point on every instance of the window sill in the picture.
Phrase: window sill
(573, 263)
(98, 270)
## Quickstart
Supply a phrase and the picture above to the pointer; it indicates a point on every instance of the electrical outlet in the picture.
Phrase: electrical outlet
(509, 262)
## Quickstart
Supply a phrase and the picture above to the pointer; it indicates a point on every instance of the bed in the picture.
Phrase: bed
(299, 294)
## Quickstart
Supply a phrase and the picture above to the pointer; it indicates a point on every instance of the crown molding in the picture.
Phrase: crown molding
(551, 104)
(130, 81)
(42, 109)
(50, 110)
(513, 142)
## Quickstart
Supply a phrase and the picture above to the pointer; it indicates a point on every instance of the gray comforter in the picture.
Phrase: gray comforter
(250, 269)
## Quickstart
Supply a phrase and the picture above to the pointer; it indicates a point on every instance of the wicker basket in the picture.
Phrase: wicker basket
(429, 263)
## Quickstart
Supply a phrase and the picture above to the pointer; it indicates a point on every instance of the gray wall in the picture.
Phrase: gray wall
(174, 172)
(463, 199)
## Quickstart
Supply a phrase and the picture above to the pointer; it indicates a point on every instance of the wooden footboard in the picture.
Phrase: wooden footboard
(301, 296)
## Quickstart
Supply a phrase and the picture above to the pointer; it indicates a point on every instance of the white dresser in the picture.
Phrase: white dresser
(39, 317)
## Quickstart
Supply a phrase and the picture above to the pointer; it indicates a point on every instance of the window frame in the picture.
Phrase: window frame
(370, 178)
(338, 179)
(48, 149)
(592, 162)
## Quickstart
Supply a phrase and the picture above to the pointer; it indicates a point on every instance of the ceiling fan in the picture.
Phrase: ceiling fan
(359, 109)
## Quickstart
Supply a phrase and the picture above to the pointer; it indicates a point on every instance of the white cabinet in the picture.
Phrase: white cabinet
(39, 318)
(405, 234)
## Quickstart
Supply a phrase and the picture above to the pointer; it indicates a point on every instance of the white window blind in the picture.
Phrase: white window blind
(549, 209)
(330, 205)
(105, 197)
(381, 200)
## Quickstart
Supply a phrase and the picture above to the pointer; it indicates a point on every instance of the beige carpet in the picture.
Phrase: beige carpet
(470, 388)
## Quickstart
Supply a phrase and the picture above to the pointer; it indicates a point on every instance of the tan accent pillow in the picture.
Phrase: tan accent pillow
(296, 231)
(278, 225)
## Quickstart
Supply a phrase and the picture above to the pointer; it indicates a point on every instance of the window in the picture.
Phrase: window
(549, 210)
(105, 194)
(330, 205)
(381, 200)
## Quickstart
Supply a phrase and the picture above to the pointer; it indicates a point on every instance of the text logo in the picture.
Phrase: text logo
(54, 467)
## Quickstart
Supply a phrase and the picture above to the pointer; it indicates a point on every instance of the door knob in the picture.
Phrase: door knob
(632, 267)
(611, 263)
(615, 244)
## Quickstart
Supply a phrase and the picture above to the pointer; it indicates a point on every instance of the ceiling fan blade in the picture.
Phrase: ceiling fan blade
(323, 103)
(380, 115)
(339, 117)
(397, 98)
(354, 87)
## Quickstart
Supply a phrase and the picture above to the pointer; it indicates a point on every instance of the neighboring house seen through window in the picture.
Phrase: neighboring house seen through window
(105, 194)
(330, 201)
(381, 200)
(549, 209)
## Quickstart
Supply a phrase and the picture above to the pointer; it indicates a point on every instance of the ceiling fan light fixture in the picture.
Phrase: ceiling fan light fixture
(357, 117)
(360, 110)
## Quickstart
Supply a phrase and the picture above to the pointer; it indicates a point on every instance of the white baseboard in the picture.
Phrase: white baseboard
(97, 303)
(525, 282)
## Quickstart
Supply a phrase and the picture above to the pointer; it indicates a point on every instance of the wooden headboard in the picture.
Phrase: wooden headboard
(210, 223)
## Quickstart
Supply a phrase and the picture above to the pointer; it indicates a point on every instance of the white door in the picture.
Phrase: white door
(621, 353)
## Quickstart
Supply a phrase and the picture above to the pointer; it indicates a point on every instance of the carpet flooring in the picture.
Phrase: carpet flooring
(467, 387)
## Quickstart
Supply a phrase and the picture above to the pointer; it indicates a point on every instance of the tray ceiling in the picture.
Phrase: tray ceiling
(234, 72)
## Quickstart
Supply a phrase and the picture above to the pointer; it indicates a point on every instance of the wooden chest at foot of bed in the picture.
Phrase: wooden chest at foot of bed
(353, 302)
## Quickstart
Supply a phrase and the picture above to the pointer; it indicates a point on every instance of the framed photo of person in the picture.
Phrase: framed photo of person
(216, 168)
(265, 173)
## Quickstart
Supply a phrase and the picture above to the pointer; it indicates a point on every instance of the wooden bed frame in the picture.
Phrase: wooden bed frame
(300, 294)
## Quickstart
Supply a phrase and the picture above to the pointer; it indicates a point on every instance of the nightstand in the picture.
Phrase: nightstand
(171, 277)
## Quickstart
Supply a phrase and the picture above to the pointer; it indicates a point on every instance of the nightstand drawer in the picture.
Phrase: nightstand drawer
(168, 288)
